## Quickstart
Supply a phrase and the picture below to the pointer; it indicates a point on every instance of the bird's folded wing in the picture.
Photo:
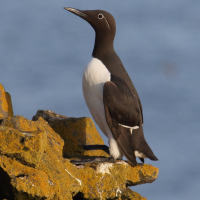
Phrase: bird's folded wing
(122, 112)
(124, 107)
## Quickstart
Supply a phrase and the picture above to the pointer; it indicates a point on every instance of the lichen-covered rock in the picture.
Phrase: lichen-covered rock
(143, 173)
(105, 180)
(32, 166)
(5, 104)
(24, 146)
(31, 158)
(23, 179)
(77, 132)
(128, 194)
(47, 115)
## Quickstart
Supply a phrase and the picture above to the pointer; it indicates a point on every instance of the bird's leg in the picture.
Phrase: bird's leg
(92, 160)
(96, 147)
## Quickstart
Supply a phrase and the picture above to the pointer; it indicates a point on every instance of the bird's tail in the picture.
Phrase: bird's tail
(139, 143)
(148, 152)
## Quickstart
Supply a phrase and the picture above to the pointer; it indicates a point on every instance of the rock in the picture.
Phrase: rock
(5, 104)
(76, 132)
(31, 159)
(105, 180)
(128, 194)
(32, 164)
(47, 115)
(23, 181)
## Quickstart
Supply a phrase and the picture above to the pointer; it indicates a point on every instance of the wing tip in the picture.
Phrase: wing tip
(154, 158)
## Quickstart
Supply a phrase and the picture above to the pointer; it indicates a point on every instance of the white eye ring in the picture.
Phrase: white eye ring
(100, 16)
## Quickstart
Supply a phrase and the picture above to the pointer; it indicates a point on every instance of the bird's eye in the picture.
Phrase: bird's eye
(100, 16)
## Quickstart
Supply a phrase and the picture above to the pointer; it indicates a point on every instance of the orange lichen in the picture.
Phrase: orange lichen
(26, 179)
(38, 146)
(32, 158)
(109, 179)
(142, 173)
(5, 103)
(76, 132)
(131, 195)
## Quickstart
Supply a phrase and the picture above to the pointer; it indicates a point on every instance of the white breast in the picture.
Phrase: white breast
(94, 77)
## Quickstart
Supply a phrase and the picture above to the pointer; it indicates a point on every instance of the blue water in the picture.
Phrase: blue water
(44, 49)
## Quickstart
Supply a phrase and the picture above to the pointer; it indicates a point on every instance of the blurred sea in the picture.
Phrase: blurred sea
(44, 49)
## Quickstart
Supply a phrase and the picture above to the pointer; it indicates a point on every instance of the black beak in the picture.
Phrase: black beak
(76, 12)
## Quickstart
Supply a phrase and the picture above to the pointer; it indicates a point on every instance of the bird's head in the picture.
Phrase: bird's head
(102, 21)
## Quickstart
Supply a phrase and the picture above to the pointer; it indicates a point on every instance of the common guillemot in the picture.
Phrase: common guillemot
(110, 95)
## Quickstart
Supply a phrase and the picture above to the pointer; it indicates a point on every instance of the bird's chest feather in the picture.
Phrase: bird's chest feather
(94, 77)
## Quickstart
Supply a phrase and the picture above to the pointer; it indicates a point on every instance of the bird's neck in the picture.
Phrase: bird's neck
(103, 46)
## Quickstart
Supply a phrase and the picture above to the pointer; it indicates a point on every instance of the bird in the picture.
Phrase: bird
(110, 94)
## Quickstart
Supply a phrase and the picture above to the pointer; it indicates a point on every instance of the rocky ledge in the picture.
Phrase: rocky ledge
(35, 160)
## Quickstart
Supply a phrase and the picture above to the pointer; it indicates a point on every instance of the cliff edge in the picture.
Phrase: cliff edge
(35, 160)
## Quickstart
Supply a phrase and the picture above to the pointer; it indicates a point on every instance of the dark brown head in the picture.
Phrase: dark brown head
(102, 21)
(104, 26)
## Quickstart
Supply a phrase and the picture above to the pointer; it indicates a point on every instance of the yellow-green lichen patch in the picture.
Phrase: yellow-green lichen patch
(140, 174)
(31, 159)
(20, 123)
(104, 180)
(3, 103)
(128, 194)
(77, 132)
(36, 144)
(89, 178)
(26, 147)
(10, 141)
(26, 179)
